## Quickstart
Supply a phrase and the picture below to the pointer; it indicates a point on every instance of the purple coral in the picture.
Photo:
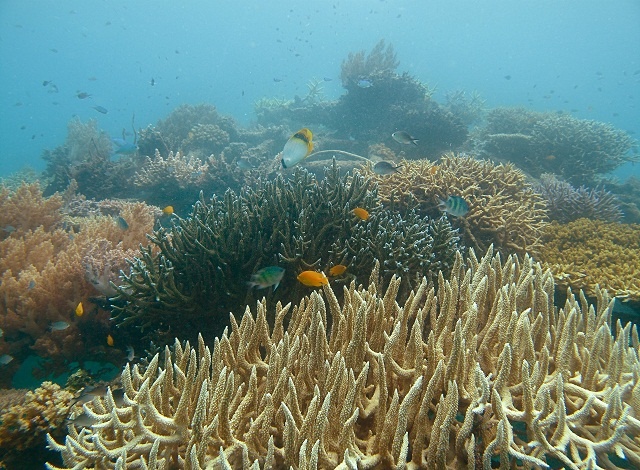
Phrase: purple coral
(566, 203)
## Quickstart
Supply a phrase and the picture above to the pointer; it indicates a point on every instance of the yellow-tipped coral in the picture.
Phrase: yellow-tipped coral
(486, 373)
(586, 253)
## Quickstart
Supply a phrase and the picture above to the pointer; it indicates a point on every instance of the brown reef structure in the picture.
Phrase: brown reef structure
(504, 209)
(586, 253)
(49, 263)
(486, 373)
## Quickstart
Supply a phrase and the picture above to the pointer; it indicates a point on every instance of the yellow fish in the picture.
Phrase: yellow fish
(312, 278)
(361, 213)
(80, 310)
(167, 210)
(297, 148)
(110, 340)
(337, 270)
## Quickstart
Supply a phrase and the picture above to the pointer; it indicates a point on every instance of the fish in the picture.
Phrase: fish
(265, 277)
(312, 278)
(403, 137)
(9, 229)
(122, 224)
(46, 82)
(327, 79)
(454, 205)
(507, 77)
(385, 168)
(550, 158)
(361, 213)
(79, 310)
(124, 147)
(130, 353)
(5, 359)
(433, 170)
(83, 95)
(152, 82)
(82, 420)
(337, 270)
(32, 284)
(297, 148)
(364, 83)
(100, 109)
(277, 80)
(58, 326)
(244, 164)
(109, 340)
(168, 210)
(1, 332)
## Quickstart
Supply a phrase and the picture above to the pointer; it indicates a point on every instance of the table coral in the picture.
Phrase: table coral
(504, 209)
(586, 253)
(487, 373)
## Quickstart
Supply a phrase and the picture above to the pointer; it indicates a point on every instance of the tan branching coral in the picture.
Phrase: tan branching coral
(504, 210)
(382, 59)
(487, 372)
(43, 410)
(586, 253)
(26, 209)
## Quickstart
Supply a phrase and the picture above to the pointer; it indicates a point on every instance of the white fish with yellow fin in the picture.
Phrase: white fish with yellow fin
(297, 148)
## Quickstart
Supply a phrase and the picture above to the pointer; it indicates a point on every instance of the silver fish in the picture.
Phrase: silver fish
(403, 137)
(58, 326)
(5, 359)
(385, 168)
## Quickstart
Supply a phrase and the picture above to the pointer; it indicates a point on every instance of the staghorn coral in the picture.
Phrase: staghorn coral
(469, 108)
(381, 60)
(302, 223)
(579, 150)
(566, 203)
(42, 280)
(504, 208)
(586, 253)
(487, 373)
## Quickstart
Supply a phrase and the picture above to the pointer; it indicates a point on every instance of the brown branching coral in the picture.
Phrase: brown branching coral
(586, 253)
(26, 209)
(488, 372)
(504, 209)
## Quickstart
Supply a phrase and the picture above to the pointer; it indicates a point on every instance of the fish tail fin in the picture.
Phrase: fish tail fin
(414, 142)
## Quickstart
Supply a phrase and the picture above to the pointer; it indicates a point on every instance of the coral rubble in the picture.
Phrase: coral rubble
(504, 209)
(586, 253)
(487, 373)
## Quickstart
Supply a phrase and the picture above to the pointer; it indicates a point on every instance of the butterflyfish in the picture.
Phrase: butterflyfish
(79, 310)
(312, 278)
(361, 213)
(297, 148)
(454, 205)
(403, 137)
(337, 270)
(266, 277)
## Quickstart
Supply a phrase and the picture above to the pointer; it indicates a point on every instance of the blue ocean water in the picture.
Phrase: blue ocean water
(145, 58)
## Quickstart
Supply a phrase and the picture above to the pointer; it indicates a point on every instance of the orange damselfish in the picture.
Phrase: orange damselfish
(337, 270)
(110, 340)
(312, 278)
(361, 213)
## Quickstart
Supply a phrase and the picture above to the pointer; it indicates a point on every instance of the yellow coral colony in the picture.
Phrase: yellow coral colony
(486, 371)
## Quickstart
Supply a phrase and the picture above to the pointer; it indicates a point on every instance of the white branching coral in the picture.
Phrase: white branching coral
(177, 168)
(487, 373)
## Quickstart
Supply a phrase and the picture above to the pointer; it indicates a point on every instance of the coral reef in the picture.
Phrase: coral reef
(579, 150)
(504, 209)
(628, 195)
(301, 223)
(25, 209)
(50, 265)
(586, 253)
(486, 374)
(86, 158)
(566, 203)
(360, 65)
(469, 108)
